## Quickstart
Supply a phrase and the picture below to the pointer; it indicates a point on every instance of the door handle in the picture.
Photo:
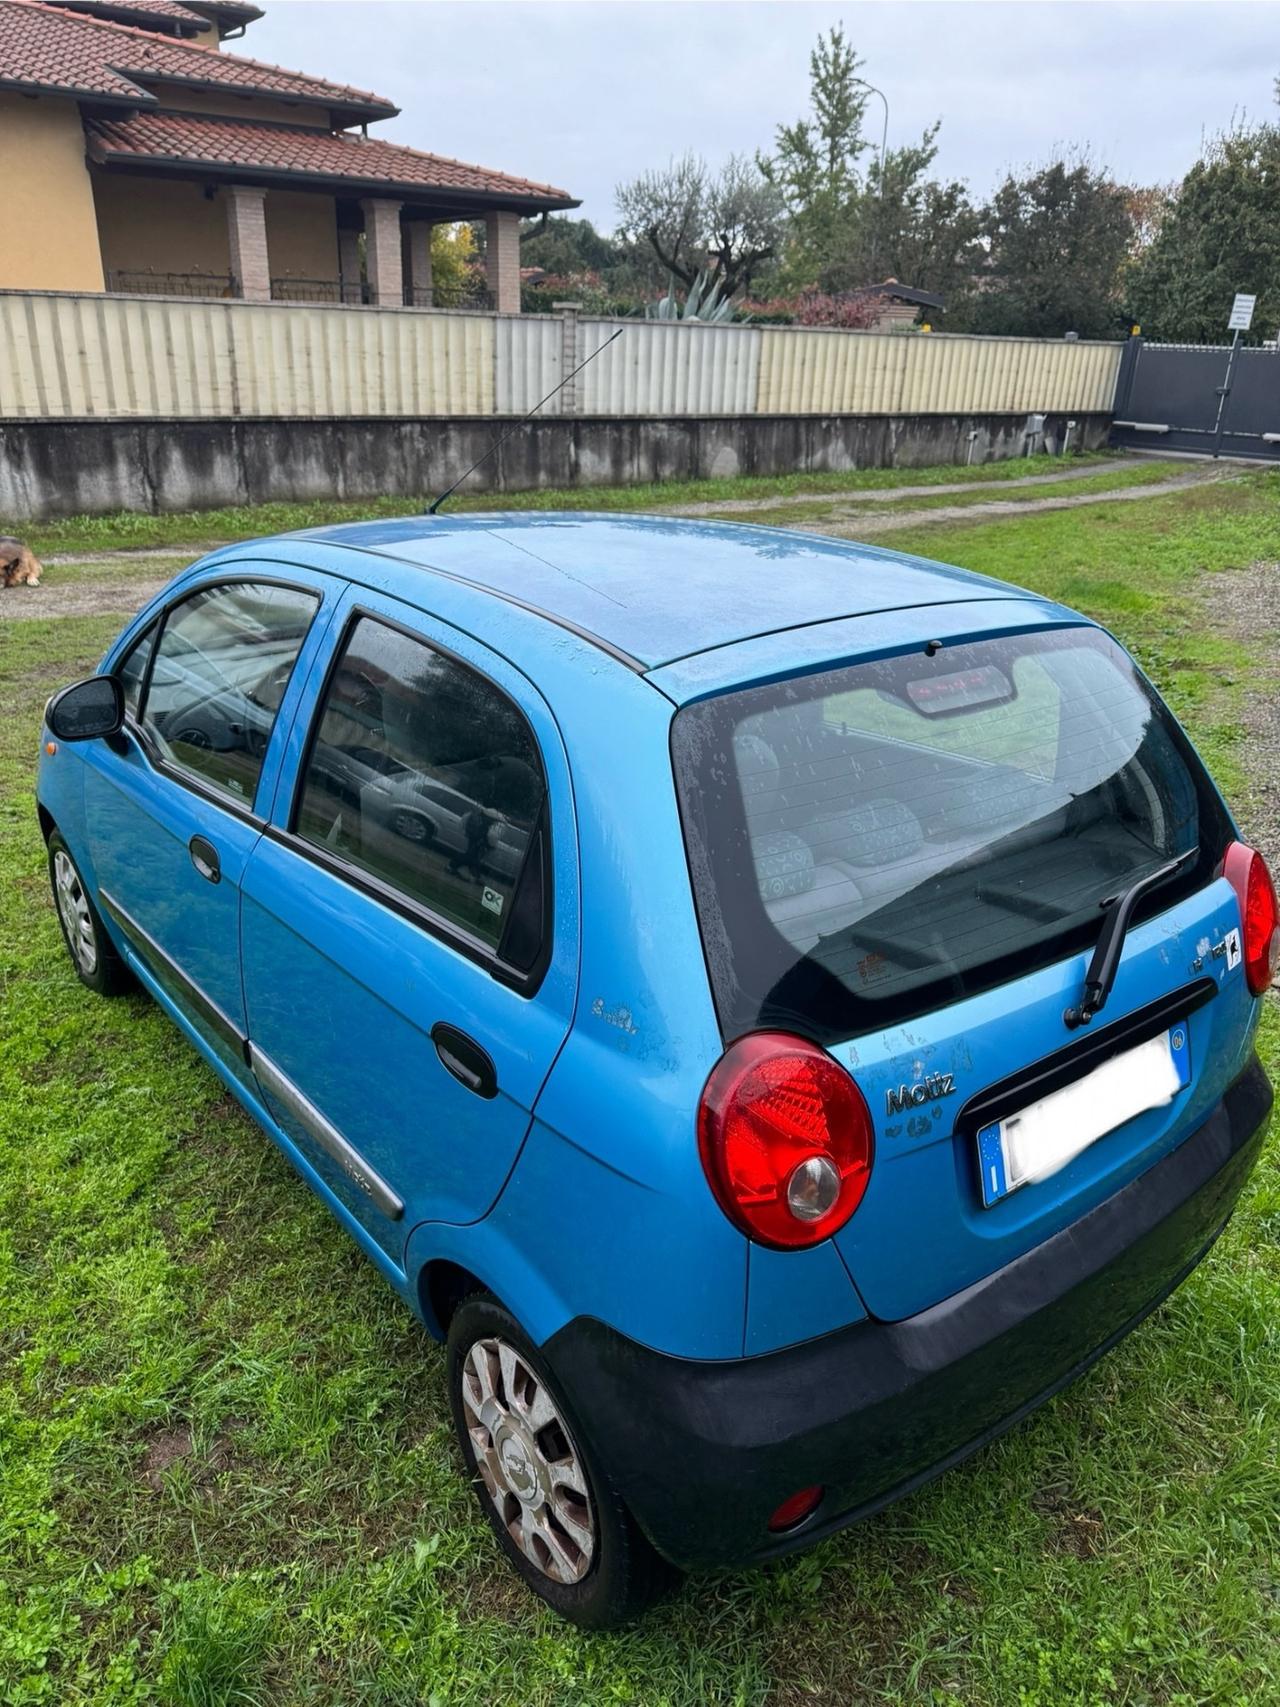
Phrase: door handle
(462, 1056)
(204, 856)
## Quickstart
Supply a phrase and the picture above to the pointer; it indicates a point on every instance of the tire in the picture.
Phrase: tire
(412, 827)
(582, 1552)
(193, 736)
(97, 965)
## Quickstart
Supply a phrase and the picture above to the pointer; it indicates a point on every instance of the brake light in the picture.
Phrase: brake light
(1246, 871)
(786, 1140)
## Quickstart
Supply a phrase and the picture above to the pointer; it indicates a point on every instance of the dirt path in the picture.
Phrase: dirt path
(134, 554)
(77, 598)
(890, 494)
(846, 523)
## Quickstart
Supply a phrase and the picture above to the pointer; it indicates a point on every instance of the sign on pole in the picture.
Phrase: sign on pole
(1241, 313)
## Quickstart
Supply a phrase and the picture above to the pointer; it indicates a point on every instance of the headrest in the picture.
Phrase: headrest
(784, 864)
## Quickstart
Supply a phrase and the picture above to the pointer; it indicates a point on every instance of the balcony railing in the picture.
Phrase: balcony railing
(320, 290)
(171, 284)
(471, 292)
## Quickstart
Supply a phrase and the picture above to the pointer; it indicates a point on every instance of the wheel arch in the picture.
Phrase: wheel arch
(445, 1262)
(442, 1285)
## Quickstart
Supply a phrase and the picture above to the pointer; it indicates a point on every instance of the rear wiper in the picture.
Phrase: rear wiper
(1101, 976)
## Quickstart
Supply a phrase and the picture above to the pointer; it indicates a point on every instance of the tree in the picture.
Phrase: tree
(909, 227)
(1219, 235)
(814, 163)
(1056, 241)
(565, 246)
(1148, 205)
(726, 224)
(453, 259)
(848, 228)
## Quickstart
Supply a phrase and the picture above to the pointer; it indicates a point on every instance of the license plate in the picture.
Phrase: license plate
(1046, 1135)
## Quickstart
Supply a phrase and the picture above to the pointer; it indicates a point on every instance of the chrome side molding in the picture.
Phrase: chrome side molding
(326, 1135)
(175, 982)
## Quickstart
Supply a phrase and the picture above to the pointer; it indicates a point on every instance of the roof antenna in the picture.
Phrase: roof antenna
(515, 427)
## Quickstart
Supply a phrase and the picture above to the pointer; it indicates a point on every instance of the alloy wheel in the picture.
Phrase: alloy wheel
(73, 909)
(527, 1460)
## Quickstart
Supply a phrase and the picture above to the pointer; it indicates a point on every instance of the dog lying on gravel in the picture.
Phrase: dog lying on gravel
(18, 565)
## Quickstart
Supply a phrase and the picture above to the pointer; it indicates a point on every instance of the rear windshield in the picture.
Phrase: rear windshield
(887, 837)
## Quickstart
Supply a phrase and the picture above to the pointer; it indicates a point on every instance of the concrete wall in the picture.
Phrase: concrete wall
(50, 237)
(51, 468)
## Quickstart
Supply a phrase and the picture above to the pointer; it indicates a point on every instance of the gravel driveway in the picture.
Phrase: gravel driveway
(1246, 605)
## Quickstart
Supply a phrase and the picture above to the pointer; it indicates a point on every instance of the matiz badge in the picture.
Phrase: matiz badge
(925, 1090)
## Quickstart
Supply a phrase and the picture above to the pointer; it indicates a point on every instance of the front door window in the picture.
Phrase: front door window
(222, 664)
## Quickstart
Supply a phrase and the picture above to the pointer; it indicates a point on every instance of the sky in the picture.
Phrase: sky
(583, 93)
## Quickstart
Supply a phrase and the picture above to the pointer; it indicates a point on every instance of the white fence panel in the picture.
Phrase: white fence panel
(66, 354)
(80, 355)
(664, 368)
(526, 362)
(808, 370)
(336, 361)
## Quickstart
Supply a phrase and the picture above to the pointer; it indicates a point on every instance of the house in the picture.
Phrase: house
(899, 305)
(140, 157)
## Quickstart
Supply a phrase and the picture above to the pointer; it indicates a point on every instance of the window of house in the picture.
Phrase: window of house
(424, 774)
(223, 661)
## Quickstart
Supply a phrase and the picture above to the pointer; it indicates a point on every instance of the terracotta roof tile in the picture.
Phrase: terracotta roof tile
(232, 8)
(43, 47)
(163, 11)
(286, 150)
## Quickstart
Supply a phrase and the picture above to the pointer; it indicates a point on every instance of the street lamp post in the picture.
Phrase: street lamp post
(884, 135)
(884, 143)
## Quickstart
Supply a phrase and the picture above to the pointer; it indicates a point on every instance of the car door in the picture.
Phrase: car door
(409, 923)
(171, 806)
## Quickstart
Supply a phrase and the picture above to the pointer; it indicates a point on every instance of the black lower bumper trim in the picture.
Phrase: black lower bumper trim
(704, 1452)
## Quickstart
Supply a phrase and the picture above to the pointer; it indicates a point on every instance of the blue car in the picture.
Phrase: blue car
(777, 1009)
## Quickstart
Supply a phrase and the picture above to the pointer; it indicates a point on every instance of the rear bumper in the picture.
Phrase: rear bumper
(704, 1452)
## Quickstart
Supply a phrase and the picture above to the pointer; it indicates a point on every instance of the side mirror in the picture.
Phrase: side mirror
(87, 709)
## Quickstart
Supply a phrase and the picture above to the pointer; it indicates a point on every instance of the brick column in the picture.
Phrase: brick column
(349, 263)
(418, 233)
(502, 260)
(382, 257)
(247, 240)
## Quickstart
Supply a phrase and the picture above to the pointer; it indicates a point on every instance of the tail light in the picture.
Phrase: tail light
(786, 1140)
(1246, 871)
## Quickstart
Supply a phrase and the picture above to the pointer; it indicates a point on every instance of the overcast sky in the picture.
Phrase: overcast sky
(584, 94)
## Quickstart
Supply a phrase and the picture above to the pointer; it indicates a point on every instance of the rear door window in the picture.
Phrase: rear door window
(884, 838)
(425, 775)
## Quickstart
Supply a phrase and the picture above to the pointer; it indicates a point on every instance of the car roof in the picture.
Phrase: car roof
(656, 589)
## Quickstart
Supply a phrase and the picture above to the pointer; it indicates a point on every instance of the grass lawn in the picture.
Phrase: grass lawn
(204, 527)
(226, 1469)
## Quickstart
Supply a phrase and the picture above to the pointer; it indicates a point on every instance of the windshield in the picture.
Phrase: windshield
(890, 836)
